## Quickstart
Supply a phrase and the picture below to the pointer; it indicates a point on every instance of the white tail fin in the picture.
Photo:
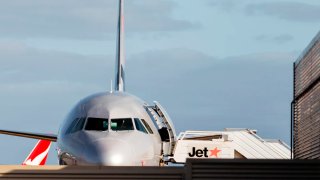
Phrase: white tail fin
(120, 57)
(39, 154)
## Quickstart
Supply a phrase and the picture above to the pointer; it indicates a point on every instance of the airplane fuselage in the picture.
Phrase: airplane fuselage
(111, 128)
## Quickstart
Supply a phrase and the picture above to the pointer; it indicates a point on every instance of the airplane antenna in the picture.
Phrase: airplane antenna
(120, 56)
(111, 86)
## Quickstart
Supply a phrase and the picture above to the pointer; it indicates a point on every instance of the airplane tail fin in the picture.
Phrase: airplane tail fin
(120, 54)
(39, 154)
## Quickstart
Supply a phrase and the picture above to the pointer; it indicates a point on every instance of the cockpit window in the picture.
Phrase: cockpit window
(139, 126)
(121, 124)
(147, 126)
(76, 125)
(96, 124)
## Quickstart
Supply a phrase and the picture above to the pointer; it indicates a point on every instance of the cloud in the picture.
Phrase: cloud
(84, 19)
(171, 59)
(279, 39)
(23, 64)
(225, 5)
(291, 11)
(283, 38)
(201, 92)
(146, 15)
(44, 87)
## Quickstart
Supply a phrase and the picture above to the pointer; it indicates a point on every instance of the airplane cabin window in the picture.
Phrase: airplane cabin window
(96, 124)
(76, 125)
(147, 126)
(79, 125)
(124, 124)
(139, 125)
(74, 122)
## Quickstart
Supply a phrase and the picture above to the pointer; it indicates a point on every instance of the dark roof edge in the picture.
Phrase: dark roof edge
(308, 48)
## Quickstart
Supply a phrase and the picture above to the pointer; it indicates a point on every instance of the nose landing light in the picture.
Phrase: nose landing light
(116, 159)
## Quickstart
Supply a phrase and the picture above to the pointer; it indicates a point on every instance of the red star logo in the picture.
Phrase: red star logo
(214, 152)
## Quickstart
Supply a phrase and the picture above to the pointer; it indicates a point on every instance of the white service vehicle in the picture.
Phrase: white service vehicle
(227, 144)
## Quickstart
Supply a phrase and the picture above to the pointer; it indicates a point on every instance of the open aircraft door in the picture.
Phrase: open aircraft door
(165, 127)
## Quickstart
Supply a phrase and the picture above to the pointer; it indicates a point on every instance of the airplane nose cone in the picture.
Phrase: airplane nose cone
(110, 152)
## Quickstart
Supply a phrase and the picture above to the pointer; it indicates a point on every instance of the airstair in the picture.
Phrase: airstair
(165, 126)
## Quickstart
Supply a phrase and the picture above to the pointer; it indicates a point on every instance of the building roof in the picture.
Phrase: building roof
(315, 40)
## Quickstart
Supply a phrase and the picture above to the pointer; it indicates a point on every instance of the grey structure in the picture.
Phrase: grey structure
(194, 169)
(306, 103)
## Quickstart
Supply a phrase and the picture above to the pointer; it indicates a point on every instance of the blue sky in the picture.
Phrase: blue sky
(213, 64)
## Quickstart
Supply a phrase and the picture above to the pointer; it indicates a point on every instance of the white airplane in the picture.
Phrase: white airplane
(112, 128)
